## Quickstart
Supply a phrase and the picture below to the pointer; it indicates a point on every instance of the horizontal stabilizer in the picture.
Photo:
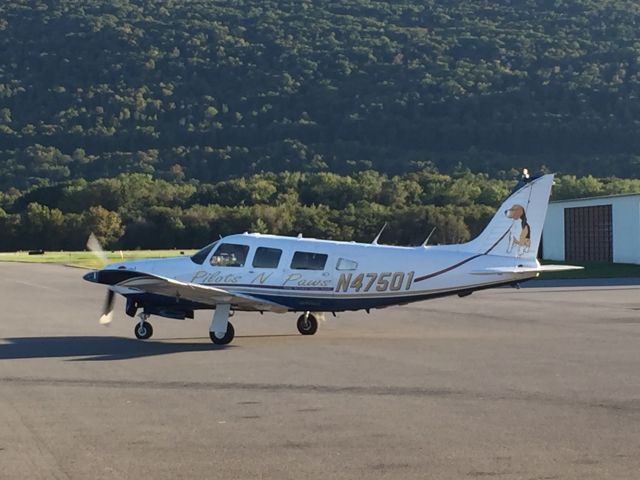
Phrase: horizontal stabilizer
(538, 269)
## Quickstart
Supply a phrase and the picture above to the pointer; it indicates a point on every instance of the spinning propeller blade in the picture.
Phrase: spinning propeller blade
(107, 312)
(94, 247)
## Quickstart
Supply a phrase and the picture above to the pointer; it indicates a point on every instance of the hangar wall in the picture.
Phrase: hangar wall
(625, 220)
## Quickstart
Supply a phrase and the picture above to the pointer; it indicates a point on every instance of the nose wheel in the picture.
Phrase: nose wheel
(307, 324)
(143, 329)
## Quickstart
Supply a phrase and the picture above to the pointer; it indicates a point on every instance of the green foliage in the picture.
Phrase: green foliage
(162, 123)
(137, 211)
(105, 225)
(570, 186)
(208, 90)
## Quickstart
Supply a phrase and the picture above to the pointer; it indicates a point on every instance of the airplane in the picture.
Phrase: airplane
(270, 273)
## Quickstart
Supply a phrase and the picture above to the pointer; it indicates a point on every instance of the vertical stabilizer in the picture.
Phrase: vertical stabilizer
(516, 228)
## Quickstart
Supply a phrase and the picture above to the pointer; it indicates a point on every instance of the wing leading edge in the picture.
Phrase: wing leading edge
(204, 294)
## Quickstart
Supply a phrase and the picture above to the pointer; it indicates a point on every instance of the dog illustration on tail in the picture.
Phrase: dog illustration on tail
(520, 233)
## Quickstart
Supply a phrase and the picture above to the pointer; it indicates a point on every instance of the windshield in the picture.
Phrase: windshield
(201, 255)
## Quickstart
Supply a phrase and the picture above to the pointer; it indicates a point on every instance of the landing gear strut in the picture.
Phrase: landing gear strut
(221, 331)
(307, 324)
(143, 329)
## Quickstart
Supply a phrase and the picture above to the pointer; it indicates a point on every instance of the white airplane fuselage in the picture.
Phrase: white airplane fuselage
(354, 276)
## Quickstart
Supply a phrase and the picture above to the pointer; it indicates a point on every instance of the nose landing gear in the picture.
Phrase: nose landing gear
(307, 324)
(143, 329)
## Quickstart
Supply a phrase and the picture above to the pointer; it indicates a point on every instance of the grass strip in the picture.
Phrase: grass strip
(87, 259)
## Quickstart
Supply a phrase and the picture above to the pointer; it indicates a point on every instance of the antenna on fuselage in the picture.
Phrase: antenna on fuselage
(426, 240)
(375, 240)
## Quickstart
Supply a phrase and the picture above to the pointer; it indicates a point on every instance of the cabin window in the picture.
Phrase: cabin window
(230, 255)
(267, 257)
(344, 264)
(308, 261)
(201, 255)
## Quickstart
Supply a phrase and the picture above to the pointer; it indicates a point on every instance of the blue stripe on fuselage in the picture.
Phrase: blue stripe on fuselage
(300, 303)
(291, 302)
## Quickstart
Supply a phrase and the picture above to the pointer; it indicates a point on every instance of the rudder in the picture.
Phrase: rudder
(516, 228)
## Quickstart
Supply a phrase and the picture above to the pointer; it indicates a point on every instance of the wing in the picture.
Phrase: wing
(148, 283)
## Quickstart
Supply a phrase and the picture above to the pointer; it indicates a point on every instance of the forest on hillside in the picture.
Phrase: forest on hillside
(137, 211)
(210, 89)
(159, 123)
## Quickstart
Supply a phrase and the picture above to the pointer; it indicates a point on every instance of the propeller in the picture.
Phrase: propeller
(93, 244)
(107, 311)
(94, 247)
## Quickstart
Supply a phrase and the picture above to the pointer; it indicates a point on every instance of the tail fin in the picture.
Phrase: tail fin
(516, 228)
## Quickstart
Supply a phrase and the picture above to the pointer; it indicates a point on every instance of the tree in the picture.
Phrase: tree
(41, 227)
(105, 225)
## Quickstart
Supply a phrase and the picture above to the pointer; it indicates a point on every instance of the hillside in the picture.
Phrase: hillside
(211, 89)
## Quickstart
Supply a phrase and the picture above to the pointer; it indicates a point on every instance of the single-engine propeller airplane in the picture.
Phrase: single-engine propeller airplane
(269, 273)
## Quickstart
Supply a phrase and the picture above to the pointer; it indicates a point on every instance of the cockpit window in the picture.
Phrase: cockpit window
(344, 264)
(267, 257)
(308, 261)
(201, 255)
(230, 255)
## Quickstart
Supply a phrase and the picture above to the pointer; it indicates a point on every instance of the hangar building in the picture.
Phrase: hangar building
(601, 229)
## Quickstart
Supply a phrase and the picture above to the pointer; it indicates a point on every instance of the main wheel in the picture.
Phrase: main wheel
(227, 336)
(143, 331)
(308, 325)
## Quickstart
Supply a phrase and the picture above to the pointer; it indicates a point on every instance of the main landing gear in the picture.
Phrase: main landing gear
(221, 331)
(226, 337)
(307, 324)
(143, 329)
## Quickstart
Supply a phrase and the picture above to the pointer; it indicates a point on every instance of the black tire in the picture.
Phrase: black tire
(227, 336)
(143, 331)
(308, 326)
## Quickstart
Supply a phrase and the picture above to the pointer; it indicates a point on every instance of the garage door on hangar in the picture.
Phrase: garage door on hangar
(588, 234)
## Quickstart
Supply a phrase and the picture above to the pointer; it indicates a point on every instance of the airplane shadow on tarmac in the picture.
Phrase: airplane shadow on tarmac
(95, 348)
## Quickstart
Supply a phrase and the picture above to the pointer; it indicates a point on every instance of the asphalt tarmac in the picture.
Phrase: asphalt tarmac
(537, 383)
